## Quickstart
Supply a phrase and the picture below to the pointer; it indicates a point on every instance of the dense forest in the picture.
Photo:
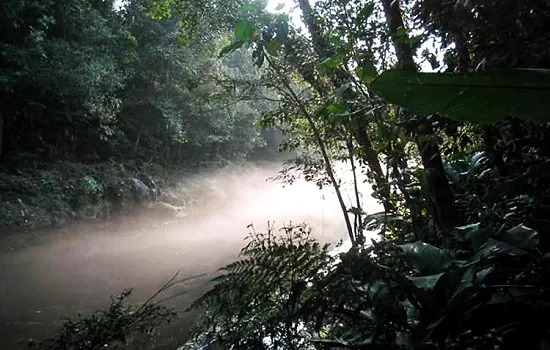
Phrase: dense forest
(458, 155)
(92, 93)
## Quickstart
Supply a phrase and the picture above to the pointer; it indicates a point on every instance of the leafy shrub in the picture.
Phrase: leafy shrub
(110, 328)
(91, 188)
(288, 292)
(258, 301)
(85, 190)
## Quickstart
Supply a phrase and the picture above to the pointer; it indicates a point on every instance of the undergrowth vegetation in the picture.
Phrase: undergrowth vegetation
(458, 157)
(288, 292)
(52, 195)
(110, 328)
(461, 167)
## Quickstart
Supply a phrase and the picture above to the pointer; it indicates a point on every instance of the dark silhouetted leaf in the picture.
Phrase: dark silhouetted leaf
(476, 236)
(230, 48)
(483, 98)
(365, 13)
(497, 247)
(515, 295)
(342, 89)
(521, 236)
(426, 258)
(426, 282)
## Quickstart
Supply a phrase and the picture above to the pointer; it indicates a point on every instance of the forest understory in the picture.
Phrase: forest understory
(437, 110)
(56, 194)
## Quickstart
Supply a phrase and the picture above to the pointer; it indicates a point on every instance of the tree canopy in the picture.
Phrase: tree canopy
(83, 80)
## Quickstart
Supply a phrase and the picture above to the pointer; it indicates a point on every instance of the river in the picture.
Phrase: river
(47, 275)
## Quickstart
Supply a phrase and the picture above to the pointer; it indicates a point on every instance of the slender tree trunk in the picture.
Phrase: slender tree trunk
(321, 46)
(370, 157)
(358, 222)
(138, 138)
(462, 51)
(1, 130)
(428, 148)
(319, 140)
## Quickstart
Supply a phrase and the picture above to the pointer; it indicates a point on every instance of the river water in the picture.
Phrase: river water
(47, 275)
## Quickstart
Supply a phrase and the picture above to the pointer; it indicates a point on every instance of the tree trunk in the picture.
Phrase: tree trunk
(403, 51)
(1, 130)
(321, 46)
(138, 138)
(428, 148)
(321, 144)
(370, 156)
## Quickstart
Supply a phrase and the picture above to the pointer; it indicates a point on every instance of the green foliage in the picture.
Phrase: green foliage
(258, 301)
(244, 31)
(84, 81)
(105, 329)
(366, 72)
(482, 98)
(286, 293)
(426, 258)
(471, 282)
(87, 191)
(516, 31)
(161, 9)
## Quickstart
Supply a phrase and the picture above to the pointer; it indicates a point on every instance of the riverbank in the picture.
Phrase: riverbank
(58, 273)
(41, 196)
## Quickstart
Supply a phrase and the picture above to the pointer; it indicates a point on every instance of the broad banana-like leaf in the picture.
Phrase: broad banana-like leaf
(521, 236)
(498, 247)
(426, 282)
(426, 258)
(482, 98)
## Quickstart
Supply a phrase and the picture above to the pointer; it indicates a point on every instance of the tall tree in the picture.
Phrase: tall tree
(339, 79)
(426, 140)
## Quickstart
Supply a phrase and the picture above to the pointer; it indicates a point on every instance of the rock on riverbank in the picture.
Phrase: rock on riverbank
(34, 198)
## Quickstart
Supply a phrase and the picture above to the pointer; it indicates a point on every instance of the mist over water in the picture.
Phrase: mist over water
(48, 275)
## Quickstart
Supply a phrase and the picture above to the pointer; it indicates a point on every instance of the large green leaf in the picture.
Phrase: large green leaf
(498, 247)
(518, 294)
(474, 234)
(426, 282)
(516, 241)
(244, 31)
(366, 71)
(426, 258)
(521, 236)
(482, 98)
